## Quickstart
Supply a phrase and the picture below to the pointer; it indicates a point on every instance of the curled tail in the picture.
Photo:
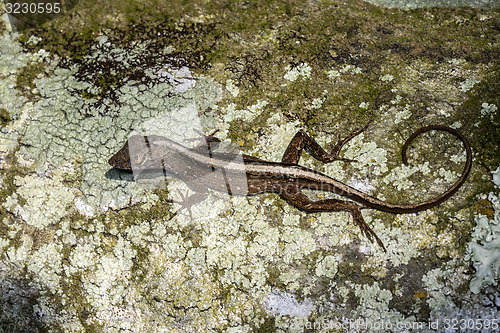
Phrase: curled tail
(468, 162)
(372, 202)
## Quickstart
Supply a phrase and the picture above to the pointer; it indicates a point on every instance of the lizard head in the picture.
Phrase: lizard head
(134, 155)
(141, 153)
(121, 160)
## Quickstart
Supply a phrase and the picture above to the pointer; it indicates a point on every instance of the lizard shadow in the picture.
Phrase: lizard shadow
(129, 176)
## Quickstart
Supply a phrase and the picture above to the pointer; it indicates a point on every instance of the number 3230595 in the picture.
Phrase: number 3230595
(32, 8)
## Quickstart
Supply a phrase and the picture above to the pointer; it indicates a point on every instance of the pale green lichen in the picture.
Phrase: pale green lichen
(327, 266)
(298, 244)
(487, 109)
(364, 105)
(485, 245)
(401, 246)
(369, 156)
(317, 103)
(468, 85)
(301, 71)
(351, 69)
(373, 312)
(398, 177)
(3, 243)
(11, 100)
(47, 200)
(232, 88)
(46, 266)
(44, 138)
(279, 134)
(402, 115)
(252, 111)
(496, 177)
(386, 77)
(142, 268)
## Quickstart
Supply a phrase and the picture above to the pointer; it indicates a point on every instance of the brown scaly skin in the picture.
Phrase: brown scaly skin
(235, 174)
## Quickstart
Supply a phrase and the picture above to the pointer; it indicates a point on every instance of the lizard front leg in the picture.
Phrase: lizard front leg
(303, 141)
(187, 202)
(295, 197)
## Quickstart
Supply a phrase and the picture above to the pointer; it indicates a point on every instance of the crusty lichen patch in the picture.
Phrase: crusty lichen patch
(95, 250)
(44, 201)
(485, 245)
(68, 122)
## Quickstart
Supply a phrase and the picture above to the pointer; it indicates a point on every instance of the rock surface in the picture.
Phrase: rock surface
(86, 248)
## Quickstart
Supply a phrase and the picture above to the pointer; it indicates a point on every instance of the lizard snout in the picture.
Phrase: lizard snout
(121, 160)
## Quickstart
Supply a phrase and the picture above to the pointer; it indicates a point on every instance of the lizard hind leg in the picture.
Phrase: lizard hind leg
(297, 198)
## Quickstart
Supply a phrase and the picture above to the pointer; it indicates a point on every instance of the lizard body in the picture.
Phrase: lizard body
(252, 176)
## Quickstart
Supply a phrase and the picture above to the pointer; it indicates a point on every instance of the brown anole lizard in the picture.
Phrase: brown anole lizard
(285, 178)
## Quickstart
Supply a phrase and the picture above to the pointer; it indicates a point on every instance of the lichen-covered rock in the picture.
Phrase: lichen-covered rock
(485, 245)
(63, 131)
(45, 201)
(410, 4)
(87, 248)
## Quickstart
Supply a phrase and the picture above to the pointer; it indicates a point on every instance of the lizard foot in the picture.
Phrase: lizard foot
(187, 202)
(365, 228)
(341, 142)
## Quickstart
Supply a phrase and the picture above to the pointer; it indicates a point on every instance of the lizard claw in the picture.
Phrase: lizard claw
(366, 230)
